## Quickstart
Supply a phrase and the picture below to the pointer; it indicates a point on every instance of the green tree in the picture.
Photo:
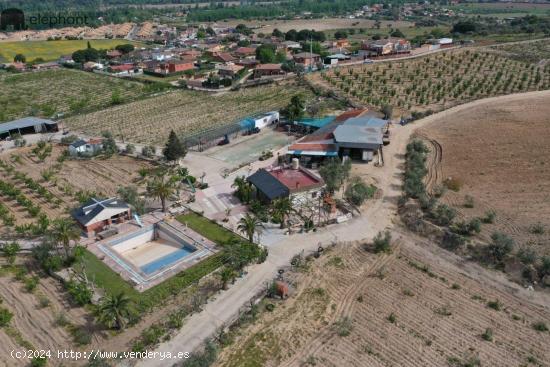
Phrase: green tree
(265, 53)
(281, 209)
(63, 231)
(114, 310)
(295, 110)
(249, 226)
(333, 173)
(109, 143)
(125, 48)
(244, 189)
(19, 58)
(500, 246)
(358, 191)
(10, 251)
(226, 275)
(174, 148)
(161, 187)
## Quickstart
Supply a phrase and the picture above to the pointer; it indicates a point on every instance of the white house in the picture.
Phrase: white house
(85, 148)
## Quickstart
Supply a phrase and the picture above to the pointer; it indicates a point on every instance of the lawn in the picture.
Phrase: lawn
(208, 229)
(104, 277)
(52, 50)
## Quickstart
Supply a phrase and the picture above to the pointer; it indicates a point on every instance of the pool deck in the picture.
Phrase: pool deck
(128, 270)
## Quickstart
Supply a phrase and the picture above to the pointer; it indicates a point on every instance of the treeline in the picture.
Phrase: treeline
(485, 26)
(221, 11)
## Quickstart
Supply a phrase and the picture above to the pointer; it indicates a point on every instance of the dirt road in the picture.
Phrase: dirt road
(379, 216)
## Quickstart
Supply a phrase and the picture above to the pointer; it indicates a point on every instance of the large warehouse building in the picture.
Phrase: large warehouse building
(27, 125)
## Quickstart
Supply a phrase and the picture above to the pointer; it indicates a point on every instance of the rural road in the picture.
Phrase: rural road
(379, 216)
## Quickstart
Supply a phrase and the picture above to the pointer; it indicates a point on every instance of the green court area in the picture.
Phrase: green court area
(250, 149)
(52, 50)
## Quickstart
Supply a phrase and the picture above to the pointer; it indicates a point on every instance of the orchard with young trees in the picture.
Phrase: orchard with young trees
(437, 81)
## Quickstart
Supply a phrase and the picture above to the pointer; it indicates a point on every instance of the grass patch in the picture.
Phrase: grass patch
(105, 278)
(52, 50)
(209, 229)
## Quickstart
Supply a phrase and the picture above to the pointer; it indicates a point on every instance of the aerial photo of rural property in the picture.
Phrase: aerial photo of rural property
(331, 183)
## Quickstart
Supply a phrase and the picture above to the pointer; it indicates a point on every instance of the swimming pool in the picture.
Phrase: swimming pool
(164, 261)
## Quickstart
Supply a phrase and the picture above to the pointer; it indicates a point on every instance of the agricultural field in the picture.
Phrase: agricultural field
(410, 307)
(502, 9)
(531, 52)
(325, 24)
(65, 91)
(435, 82)
(150, 120)
(495, 153)
(31, 188)
(52, 50)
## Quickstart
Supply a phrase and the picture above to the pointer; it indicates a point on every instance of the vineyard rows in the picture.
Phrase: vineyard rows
(150, 120)
(64, 91)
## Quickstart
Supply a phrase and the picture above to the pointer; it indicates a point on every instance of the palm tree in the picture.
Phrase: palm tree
(243, 188)
(249, 225)
(64, 231)
(226, 275)
(281, 209)
(114, 310)
(162, 188)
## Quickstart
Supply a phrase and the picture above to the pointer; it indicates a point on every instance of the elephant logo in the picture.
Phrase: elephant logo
(12, 20)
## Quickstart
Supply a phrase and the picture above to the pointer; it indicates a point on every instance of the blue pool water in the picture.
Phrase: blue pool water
(164, 261)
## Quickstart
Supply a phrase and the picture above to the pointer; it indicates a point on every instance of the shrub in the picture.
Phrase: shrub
(343, 326)
(495, 305)
(382, 242)
(453, 184)
(130, 148)
(152, 335)
(80, 292)
(488, 335)
(527, 256)
(544, 268)
(5, 317)
(468, 201)
(81, 336)
(392, 318)
(443, 214)
(270, 307)
(452, 241)
(540, 326)
(38, 361)
(537, 228)
(500, 246)
(489, 217)
(31, 283)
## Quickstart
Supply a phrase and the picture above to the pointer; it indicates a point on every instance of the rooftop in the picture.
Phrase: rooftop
(296, 179)
(23, 123)
(91, 210)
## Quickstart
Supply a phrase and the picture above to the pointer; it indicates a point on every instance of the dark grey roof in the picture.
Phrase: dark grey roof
(93, 207)
(268, 185)
(23, 123)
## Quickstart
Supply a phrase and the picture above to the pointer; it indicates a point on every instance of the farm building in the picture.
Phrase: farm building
(85, 148)
(307, 58)
(96, 214)
(268, 70)
(350, 134)
(261, 120)
(295, 182)
(27, 125)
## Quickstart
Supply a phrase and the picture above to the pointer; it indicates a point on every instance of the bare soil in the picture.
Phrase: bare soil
(103, 176)
(439, 314)
(498, 151)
